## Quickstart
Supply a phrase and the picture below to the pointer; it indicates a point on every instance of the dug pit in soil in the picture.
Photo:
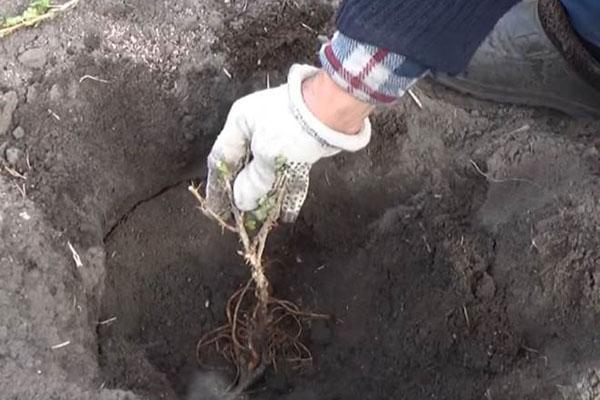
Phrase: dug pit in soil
(458, 253)
(433, 282)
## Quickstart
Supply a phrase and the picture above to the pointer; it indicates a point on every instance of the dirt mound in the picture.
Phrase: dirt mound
(458, 253)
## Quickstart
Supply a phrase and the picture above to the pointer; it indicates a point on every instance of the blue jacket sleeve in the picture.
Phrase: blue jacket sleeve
(441, 35)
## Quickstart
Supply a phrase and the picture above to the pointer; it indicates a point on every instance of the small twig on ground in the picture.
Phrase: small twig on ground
(523, 128)
(415, 98)
(496, 180)
(466, 314)
(61, 345)
(54, 115)
(534, 245)
(76, 257)
(320, 268)
(107, 321)
(427, 246)
(21, 190)
(307, 27)
(424, 237)
(27, 160)
(534, 351)
(15, 173)
(529, 349)
(327, 179)
(93, 78)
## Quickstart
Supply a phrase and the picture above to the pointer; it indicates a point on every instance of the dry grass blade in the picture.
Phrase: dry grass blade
(38, 11)
(15, 173)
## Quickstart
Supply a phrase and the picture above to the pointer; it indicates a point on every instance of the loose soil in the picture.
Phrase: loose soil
(458, 253)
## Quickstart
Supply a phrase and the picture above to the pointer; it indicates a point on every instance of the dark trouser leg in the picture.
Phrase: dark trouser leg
(585, 17)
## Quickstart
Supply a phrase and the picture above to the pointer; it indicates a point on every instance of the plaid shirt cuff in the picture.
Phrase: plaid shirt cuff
(369, 73)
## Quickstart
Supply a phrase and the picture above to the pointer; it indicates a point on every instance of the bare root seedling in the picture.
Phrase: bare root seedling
(261, 330)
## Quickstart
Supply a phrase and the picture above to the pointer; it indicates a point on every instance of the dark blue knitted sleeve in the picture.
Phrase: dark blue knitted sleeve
(441, 35)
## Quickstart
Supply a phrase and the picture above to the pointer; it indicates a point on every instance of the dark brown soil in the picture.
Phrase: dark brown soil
(458, 253)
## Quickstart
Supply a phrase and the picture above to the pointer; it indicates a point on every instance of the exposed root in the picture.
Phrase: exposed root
(281, 344)
(261, 331)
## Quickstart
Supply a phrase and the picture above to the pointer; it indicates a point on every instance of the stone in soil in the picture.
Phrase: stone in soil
(13, 155)
(31, 94)
(55, 93)
(33, 58)
(9, 101)
(486, 287)
(18, 133)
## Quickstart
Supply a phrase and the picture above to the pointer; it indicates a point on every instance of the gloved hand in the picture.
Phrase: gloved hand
(276, 126)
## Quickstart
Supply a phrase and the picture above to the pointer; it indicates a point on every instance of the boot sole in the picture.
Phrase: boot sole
(519, 98)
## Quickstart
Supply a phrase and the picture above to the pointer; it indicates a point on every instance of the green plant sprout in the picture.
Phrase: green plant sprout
(36, 12)
(254, 219)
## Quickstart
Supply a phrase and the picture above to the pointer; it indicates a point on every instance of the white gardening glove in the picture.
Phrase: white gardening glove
(276, 126)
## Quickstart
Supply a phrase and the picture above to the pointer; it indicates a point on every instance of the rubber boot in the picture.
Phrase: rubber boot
(534, 57)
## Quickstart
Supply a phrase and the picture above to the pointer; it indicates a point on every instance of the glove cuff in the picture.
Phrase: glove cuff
(325, 135)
